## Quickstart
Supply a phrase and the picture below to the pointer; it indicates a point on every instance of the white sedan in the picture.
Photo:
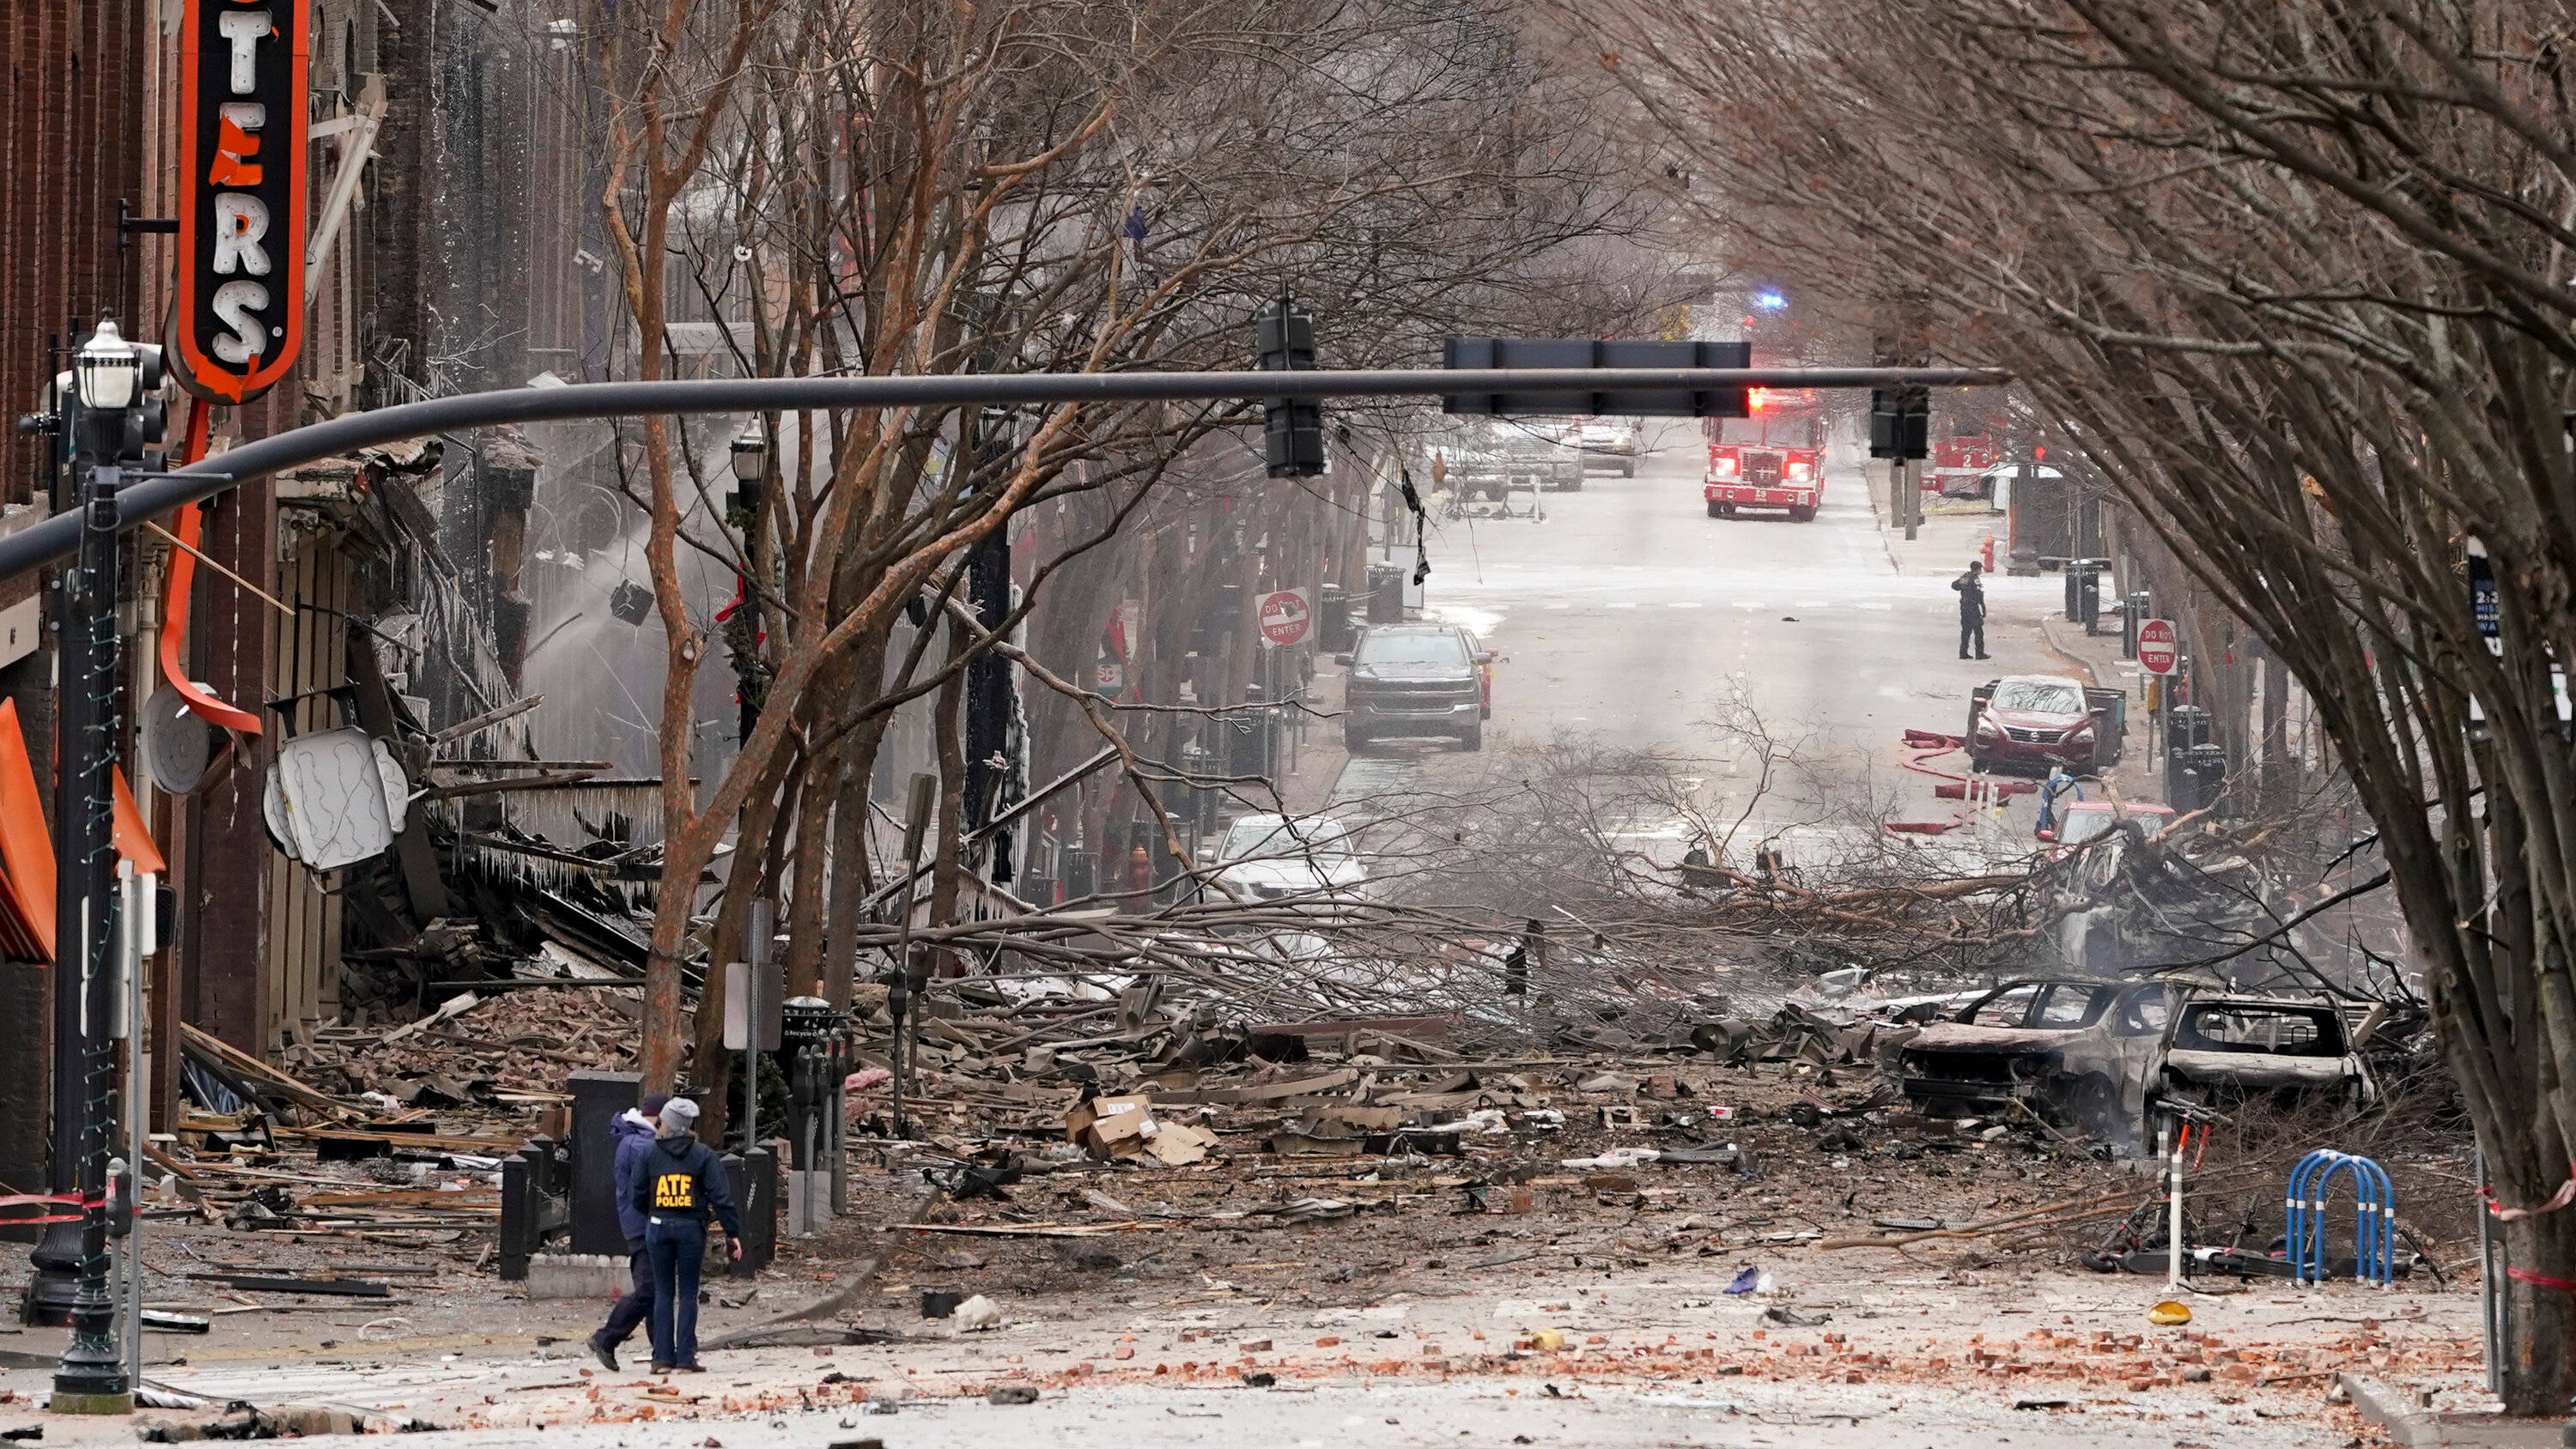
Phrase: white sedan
(1271, 857)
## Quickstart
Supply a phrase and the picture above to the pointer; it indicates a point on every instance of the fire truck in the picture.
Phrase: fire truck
(1772, 459)
(1962, 459)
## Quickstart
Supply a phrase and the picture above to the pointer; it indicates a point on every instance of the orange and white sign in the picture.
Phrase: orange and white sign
(242, 111)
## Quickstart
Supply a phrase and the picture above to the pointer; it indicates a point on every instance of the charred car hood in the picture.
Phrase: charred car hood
(1951, 1036)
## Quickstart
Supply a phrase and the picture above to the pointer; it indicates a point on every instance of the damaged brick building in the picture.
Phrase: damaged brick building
(445, 252)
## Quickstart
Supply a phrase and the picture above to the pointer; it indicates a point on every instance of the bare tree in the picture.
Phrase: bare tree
(1034, 184)
(2290, 277)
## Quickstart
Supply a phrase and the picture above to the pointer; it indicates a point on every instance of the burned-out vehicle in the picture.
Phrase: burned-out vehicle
(2096, 1056)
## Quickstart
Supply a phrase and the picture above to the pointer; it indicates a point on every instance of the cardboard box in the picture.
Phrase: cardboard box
(1111, 1127)
(1114, 1128)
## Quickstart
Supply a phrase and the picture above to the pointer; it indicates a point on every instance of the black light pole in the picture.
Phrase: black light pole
(71, 1280)
(750, 463)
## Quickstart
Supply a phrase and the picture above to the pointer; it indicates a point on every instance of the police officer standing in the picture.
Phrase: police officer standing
(681, 1184)
(1972, 609)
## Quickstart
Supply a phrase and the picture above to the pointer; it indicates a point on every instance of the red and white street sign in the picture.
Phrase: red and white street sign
(1286, 617)
(2156, 649)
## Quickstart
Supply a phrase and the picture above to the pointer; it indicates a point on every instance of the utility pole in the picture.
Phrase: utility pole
(110, 412)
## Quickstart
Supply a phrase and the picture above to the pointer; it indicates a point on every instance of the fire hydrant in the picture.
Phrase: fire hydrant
(1140, 870)
(1988, 549)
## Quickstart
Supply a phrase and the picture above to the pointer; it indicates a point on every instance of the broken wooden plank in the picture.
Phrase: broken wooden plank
(477, 1146)
(1279, 1091)
(261, 1073)
(1035, 1230)
(1346, 1025)
(333, 1287)
(485, 1197)
(448, 1010)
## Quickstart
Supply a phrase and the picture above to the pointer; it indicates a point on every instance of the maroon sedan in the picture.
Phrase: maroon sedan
(2033, 721)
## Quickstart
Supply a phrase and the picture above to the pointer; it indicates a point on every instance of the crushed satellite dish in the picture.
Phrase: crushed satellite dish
(333, 805)
(177, 743)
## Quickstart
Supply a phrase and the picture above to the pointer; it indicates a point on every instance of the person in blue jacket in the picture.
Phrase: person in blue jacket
(680, 1185)
(632, 1130)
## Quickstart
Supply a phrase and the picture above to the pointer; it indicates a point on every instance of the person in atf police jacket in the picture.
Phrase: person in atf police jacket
(681, 1184)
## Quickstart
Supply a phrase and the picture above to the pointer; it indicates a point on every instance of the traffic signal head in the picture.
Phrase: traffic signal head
(1287, 334)
(1900, 422)
(1293, 437)
(1292, 428)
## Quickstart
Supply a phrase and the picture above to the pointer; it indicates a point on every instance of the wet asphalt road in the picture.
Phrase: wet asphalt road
(1630, 617)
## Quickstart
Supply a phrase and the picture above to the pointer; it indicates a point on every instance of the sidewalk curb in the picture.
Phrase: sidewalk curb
(2050, 635)
(2406, 1424)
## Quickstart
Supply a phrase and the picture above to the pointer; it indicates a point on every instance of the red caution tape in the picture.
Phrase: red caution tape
(2566, 1194)
(2543, 1280)
(45, 1199)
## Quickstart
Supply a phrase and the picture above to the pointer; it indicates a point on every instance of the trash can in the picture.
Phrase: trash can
(2195, 776)
(1386, 593)
(2186, 725)
(2133, 616)
(2083, 585)
(1333, 609)
(1248, 736)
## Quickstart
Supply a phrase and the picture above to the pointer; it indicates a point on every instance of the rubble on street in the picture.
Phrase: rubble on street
(1714, 1213)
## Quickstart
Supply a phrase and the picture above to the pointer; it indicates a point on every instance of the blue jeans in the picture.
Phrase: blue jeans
(678, 1248)
(629, 1311)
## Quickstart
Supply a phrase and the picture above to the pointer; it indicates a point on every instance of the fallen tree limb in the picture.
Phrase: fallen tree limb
(832, 1304)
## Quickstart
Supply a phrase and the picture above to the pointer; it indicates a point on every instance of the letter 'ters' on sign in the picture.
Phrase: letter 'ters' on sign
(242, 108)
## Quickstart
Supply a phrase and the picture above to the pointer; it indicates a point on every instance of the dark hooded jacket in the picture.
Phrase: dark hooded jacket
(634, 1135)
(683, 1179)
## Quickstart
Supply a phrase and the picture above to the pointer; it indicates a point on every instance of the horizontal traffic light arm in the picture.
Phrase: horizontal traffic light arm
(56, 538)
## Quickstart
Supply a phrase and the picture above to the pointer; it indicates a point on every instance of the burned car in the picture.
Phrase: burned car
(2096, 1056)
(2226, 1050)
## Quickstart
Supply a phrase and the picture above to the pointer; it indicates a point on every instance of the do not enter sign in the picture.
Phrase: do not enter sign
(2156, 649)
(1285, 618)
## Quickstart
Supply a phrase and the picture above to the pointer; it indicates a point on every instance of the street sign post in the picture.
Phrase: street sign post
(2157, 648)
(1286, 618)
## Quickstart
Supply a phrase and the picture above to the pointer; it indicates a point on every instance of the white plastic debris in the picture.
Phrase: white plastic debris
(1843, 982)
(1616, 1157)
(1543, 1119)
(1484, 1122)
(978, 1313)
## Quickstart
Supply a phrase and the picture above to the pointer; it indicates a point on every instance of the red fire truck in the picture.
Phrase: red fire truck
(1961, 460)
(1773, 459)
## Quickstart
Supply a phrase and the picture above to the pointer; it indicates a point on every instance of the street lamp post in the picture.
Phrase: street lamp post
(750, 458)
(111, 378)
(750, 462)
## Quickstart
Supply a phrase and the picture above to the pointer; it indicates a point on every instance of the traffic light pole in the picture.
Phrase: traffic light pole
(58, 538)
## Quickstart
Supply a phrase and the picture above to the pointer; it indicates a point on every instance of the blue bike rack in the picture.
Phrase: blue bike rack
(2374, 1236)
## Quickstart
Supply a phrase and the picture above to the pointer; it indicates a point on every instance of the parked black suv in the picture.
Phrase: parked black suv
(1414, 679)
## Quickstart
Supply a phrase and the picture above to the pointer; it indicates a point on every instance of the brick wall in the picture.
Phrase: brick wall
(70, 146)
